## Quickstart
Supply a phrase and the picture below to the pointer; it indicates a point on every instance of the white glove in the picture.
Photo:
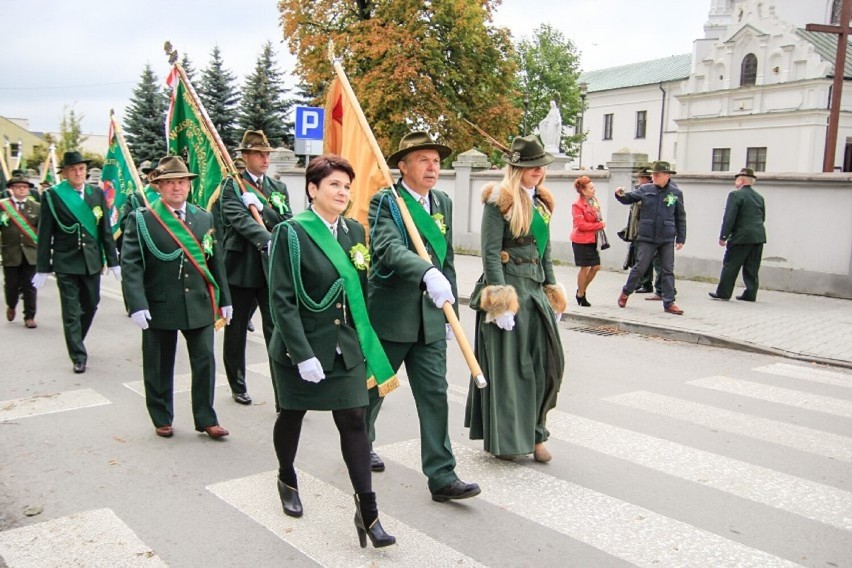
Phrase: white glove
(505, 321)
(250, 199)
(227, 313)
(450, 336)
(438, 287)
(116, 271)
(141, 318)
(40, 278)
(311, 370)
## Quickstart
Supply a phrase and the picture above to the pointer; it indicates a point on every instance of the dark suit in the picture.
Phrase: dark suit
(77, 258)
(19, 259)
(245, 243)
(178, 298)
(742, 228)
(411, 328)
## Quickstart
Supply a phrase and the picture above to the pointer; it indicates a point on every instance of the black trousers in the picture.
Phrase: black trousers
(747, 257)
(234, 346)
(18, 281)
(79, 296)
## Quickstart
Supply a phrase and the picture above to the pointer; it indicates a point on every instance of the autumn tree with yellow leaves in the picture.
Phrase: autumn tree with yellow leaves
(412, 64)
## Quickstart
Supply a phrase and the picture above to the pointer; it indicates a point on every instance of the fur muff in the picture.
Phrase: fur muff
(556, 296)
(497, 195)
(497, 300)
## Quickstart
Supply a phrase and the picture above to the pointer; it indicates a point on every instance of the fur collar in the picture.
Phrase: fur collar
(497, 195)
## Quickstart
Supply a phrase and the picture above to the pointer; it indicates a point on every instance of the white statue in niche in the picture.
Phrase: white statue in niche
(550, 129)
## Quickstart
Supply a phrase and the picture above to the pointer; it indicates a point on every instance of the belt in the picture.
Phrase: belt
(518, 260)
(518, 242)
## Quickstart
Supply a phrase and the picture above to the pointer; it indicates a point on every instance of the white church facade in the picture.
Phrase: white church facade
(754, 92)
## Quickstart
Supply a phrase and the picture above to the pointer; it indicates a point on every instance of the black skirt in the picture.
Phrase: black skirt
(586, 254)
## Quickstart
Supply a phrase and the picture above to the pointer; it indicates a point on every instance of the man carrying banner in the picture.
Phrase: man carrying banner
(406, 294)
(174, 280)
(245, 244)
(18, 231)
(74, 238)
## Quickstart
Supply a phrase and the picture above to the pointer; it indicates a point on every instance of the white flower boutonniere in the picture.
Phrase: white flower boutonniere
(439, 220)
(98, 212)
(207, 244)
(360, 256)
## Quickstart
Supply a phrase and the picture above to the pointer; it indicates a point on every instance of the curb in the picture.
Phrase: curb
(569, 318)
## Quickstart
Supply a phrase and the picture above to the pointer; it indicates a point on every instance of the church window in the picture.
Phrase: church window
(748, 70)
(721, 159)
(641, 123)
(835, 12)
(756, 159)
(607, 128)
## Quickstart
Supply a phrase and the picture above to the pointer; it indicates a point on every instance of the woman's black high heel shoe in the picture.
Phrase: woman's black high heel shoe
(581, 301)
(289, 500)
(367, 522)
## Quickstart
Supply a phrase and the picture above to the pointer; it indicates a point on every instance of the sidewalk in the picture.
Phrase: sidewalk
(808, 328)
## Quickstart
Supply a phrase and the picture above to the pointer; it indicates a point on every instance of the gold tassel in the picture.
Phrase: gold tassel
(389, 385)
(219, 324)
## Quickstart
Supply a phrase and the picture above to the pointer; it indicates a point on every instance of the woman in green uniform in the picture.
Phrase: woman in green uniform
(324, 350)
(517, 339)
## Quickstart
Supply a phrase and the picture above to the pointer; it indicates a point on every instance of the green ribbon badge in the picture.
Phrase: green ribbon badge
(207, 244)
(545, 215)
(360, 256)
(98, 213)
(670, 199)
(279, 202)
(439, 220)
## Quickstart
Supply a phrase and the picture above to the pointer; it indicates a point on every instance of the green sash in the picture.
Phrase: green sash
(251, 187)
(184, 238)
(540, 231)
(426, 225)
(379, 370)
(78, 207)
(19, 220)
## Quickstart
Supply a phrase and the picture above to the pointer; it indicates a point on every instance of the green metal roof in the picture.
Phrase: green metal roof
(826, 46)
(672, 68)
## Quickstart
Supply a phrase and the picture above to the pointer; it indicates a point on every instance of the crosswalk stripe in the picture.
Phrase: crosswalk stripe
(813, 500)
(91, 538)
(182, 383)
(632, 533)
(773, 431)
(808, 374)
(326, 532)
(260, 369)
(50, 403)
(779, 395)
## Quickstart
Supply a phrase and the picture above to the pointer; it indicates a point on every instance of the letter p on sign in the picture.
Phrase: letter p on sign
(309, 123)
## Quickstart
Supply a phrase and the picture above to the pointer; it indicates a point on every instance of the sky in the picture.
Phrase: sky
(89, 55)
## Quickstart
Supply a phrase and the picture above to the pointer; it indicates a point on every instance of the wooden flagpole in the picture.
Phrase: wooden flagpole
(411, 229)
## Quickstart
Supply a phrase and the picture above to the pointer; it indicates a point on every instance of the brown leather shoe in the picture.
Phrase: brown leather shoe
(541, 454)
(622, 300)
(654, 298)
(216, 431)
(673, 309)
(30, 323)
(165, 431)
(10, 314)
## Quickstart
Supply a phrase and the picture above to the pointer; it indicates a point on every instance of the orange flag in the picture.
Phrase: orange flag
(344, 136)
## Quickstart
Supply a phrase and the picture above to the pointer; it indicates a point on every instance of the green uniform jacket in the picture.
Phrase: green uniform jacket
(17, 246)
(397, 301)
(745, 214)
(173, 291)
(309, 333)
(244, 237)
(62, 252)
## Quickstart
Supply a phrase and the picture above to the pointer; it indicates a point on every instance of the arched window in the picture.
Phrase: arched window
(835, 12)
(748, 70)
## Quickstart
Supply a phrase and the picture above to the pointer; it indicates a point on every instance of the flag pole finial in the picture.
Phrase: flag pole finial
(171, 52)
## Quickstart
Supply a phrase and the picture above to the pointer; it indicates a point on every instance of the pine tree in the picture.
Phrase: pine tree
(264, 106)
(218, 93)
(145, 120)
(187, 68)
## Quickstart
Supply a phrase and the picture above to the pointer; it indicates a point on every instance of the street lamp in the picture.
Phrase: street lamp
(584, 88)
(526, 108)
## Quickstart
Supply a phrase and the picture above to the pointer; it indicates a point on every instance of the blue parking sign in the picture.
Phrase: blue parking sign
(309, 123)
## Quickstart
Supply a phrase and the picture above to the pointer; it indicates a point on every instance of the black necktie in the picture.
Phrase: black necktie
(179, 214)
(21, 206)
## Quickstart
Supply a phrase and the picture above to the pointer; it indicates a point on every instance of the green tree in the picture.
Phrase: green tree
(188, 68)
(145, 120)
(220, 97)
(70, 132)
(264, 106)
(412, 64)
(548, 69)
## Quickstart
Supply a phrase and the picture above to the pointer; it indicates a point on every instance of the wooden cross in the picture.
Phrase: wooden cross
(843, 31)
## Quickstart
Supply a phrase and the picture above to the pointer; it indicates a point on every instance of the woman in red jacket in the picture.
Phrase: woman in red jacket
(586, 212)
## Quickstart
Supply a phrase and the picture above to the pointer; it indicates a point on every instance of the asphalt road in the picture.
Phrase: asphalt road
(665, 454)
